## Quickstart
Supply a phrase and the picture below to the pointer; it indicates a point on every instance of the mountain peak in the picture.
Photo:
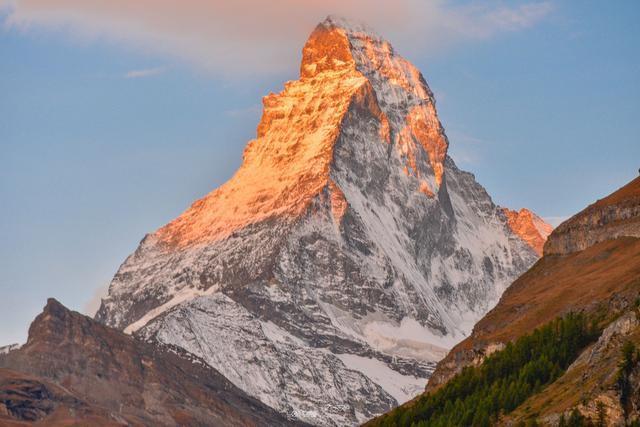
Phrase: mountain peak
(329, 46)
(344, 68)
(326, 49)
(347, 241)
(348, 25)
(53, 306)
(529, 226)
(52, 324)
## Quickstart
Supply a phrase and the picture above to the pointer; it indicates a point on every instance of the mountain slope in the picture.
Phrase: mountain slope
(343, 258)
(482, 395)
(602, 280)
(605, 273)
(75, 371)
(591, 386)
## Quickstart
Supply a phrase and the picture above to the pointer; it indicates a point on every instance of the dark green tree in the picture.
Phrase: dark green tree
(629, 360)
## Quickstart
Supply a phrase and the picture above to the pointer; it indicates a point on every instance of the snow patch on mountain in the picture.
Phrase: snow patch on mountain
(402, 387)
(179, 297)
(266, 361)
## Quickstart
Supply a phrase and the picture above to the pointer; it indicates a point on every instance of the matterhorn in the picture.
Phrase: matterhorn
(346, 255)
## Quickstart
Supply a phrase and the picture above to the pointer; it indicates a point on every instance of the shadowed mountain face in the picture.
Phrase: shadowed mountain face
(75, 371)
(591, 259)
(344, 257)
(591, 264)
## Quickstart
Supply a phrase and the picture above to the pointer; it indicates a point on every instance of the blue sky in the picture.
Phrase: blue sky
(103, 139)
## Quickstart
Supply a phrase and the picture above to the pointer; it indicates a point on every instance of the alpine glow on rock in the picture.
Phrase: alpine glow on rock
(345, 256)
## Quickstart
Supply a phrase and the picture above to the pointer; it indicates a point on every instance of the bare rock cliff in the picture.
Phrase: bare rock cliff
(614, 216)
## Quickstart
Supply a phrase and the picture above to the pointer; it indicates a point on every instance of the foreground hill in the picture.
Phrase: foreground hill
(75, 371)
(586, 270)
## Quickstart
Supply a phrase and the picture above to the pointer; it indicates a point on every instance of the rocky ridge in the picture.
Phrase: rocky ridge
(75, 371)
(614, 216)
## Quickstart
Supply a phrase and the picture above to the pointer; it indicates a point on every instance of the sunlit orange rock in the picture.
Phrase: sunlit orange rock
(339, 204)
(529, 226)
(424, 188)
(289, 162)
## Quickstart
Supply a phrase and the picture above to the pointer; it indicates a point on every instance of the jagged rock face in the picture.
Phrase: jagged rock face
(343, 258)
(529, 226)
(75, 371)
(616, 215)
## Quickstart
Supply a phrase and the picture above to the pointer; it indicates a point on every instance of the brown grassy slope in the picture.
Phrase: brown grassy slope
(606, 274)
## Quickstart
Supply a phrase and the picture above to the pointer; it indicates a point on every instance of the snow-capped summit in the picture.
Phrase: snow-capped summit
(344, 257)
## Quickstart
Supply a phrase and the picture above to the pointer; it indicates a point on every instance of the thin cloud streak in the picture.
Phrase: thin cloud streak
(246, 36)
(147, 72)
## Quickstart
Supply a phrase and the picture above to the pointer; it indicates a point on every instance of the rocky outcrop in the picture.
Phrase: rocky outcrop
(71, 364)
(615, 216)
(344, 257)
(529, 226)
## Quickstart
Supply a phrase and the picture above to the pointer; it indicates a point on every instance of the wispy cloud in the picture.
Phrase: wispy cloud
(248, 36)
(146, 72)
